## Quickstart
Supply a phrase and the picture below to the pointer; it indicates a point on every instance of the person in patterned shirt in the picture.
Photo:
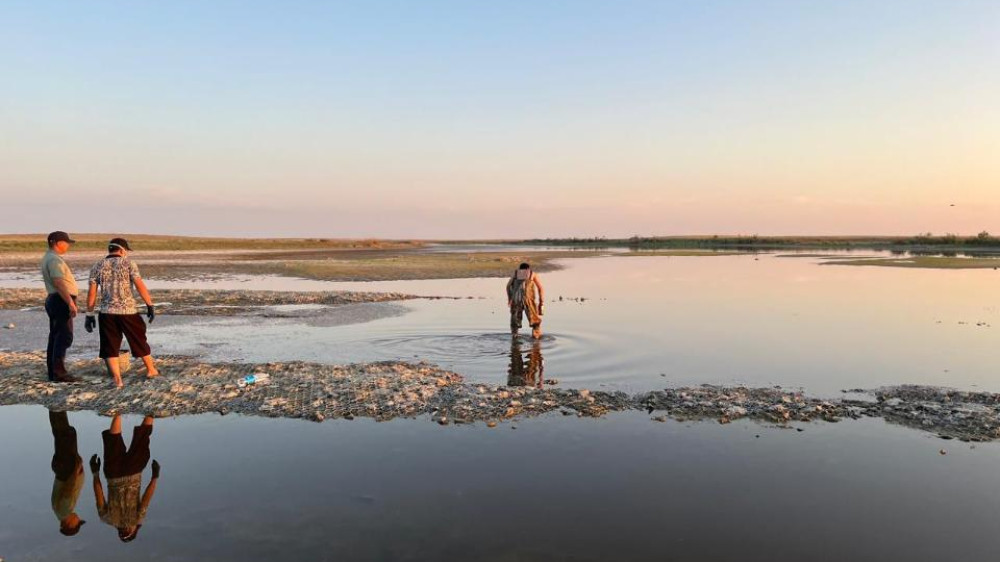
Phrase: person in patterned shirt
(114, 276)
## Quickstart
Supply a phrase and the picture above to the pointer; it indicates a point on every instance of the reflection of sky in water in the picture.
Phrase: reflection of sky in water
(621, 488)
(618, 488)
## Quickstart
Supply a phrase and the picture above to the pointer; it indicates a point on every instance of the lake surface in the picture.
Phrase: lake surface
(620, 488)
(650, 322)
(561, 488)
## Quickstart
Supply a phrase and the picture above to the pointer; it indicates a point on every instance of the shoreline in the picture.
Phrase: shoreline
(221, 302)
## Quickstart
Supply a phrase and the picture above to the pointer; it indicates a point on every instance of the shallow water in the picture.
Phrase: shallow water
(648, 322)
(562, 488)
(621, 488)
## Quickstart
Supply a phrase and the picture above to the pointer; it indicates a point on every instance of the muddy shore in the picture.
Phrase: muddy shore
(387, 390)
(193, 302)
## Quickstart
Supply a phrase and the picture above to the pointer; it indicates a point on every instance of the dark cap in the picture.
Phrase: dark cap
(120, 242)
(60, 236)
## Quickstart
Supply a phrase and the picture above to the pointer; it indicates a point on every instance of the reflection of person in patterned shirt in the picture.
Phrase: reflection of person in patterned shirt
(126, 504)
(114, 276)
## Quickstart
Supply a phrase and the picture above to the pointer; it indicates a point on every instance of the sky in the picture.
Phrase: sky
(515, 119)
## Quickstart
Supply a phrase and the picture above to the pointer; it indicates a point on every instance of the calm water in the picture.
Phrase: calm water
(621, 488)
(648, 322)
(556, 488)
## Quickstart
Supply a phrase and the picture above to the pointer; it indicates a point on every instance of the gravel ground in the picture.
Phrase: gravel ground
(387, 390)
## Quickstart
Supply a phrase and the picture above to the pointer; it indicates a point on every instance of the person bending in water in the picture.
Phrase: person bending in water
(525, 297)
(124, 509)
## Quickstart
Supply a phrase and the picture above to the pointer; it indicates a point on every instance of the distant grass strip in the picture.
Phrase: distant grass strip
(413, 266)
(148, 242)
(922, 262)
(982, 241)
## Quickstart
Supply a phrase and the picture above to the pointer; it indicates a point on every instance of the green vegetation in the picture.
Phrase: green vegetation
(437, 265)
(147, 242)
(923, 262)
(982, 241)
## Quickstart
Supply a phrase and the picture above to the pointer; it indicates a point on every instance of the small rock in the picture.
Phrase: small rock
(10, 326)
(943, 452)
(491, 424)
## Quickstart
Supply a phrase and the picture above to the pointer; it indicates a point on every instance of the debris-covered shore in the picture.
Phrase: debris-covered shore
(387, 390)
(222, 302)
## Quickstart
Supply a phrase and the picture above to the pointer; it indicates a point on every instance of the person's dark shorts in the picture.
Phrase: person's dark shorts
(119, 462)
(112, 327)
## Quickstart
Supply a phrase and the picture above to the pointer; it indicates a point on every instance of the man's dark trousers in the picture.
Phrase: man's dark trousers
(60, 335)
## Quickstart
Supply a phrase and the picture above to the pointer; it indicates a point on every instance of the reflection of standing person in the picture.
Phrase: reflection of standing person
(114, 276)
(60, 305)
(525, 297)
(519, 374)
(125, 509)
(68, 468)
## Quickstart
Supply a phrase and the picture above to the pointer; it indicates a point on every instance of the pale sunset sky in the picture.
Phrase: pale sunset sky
(475, 119)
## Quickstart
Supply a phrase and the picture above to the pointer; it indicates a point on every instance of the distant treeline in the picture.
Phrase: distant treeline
(754, 242)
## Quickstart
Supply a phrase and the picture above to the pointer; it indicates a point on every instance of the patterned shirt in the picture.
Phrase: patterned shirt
(124, 506)
(115, 275)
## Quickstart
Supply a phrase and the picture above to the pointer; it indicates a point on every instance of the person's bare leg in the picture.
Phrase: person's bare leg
(114, 370)
(116, 425)
(148, 420)
(150, 367)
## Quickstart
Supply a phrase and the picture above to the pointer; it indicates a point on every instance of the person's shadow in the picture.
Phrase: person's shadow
(525, 371)
(125, 508)
(68, 469)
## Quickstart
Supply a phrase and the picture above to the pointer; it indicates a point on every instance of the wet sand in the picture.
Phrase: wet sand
(222, 303)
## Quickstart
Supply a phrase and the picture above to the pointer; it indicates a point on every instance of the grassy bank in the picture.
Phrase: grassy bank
(922, 262)
(982, 242)
(152, 242)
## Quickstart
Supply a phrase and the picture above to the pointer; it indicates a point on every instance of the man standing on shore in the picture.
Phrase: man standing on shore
(60, 305)
(525, 297)
(114, 276)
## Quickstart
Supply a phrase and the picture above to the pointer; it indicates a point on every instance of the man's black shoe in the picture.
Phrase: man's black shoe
(66, 378)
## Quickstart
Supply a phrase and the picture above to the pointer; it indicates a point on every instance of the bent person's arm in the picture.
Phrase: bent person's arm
(541, 290)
